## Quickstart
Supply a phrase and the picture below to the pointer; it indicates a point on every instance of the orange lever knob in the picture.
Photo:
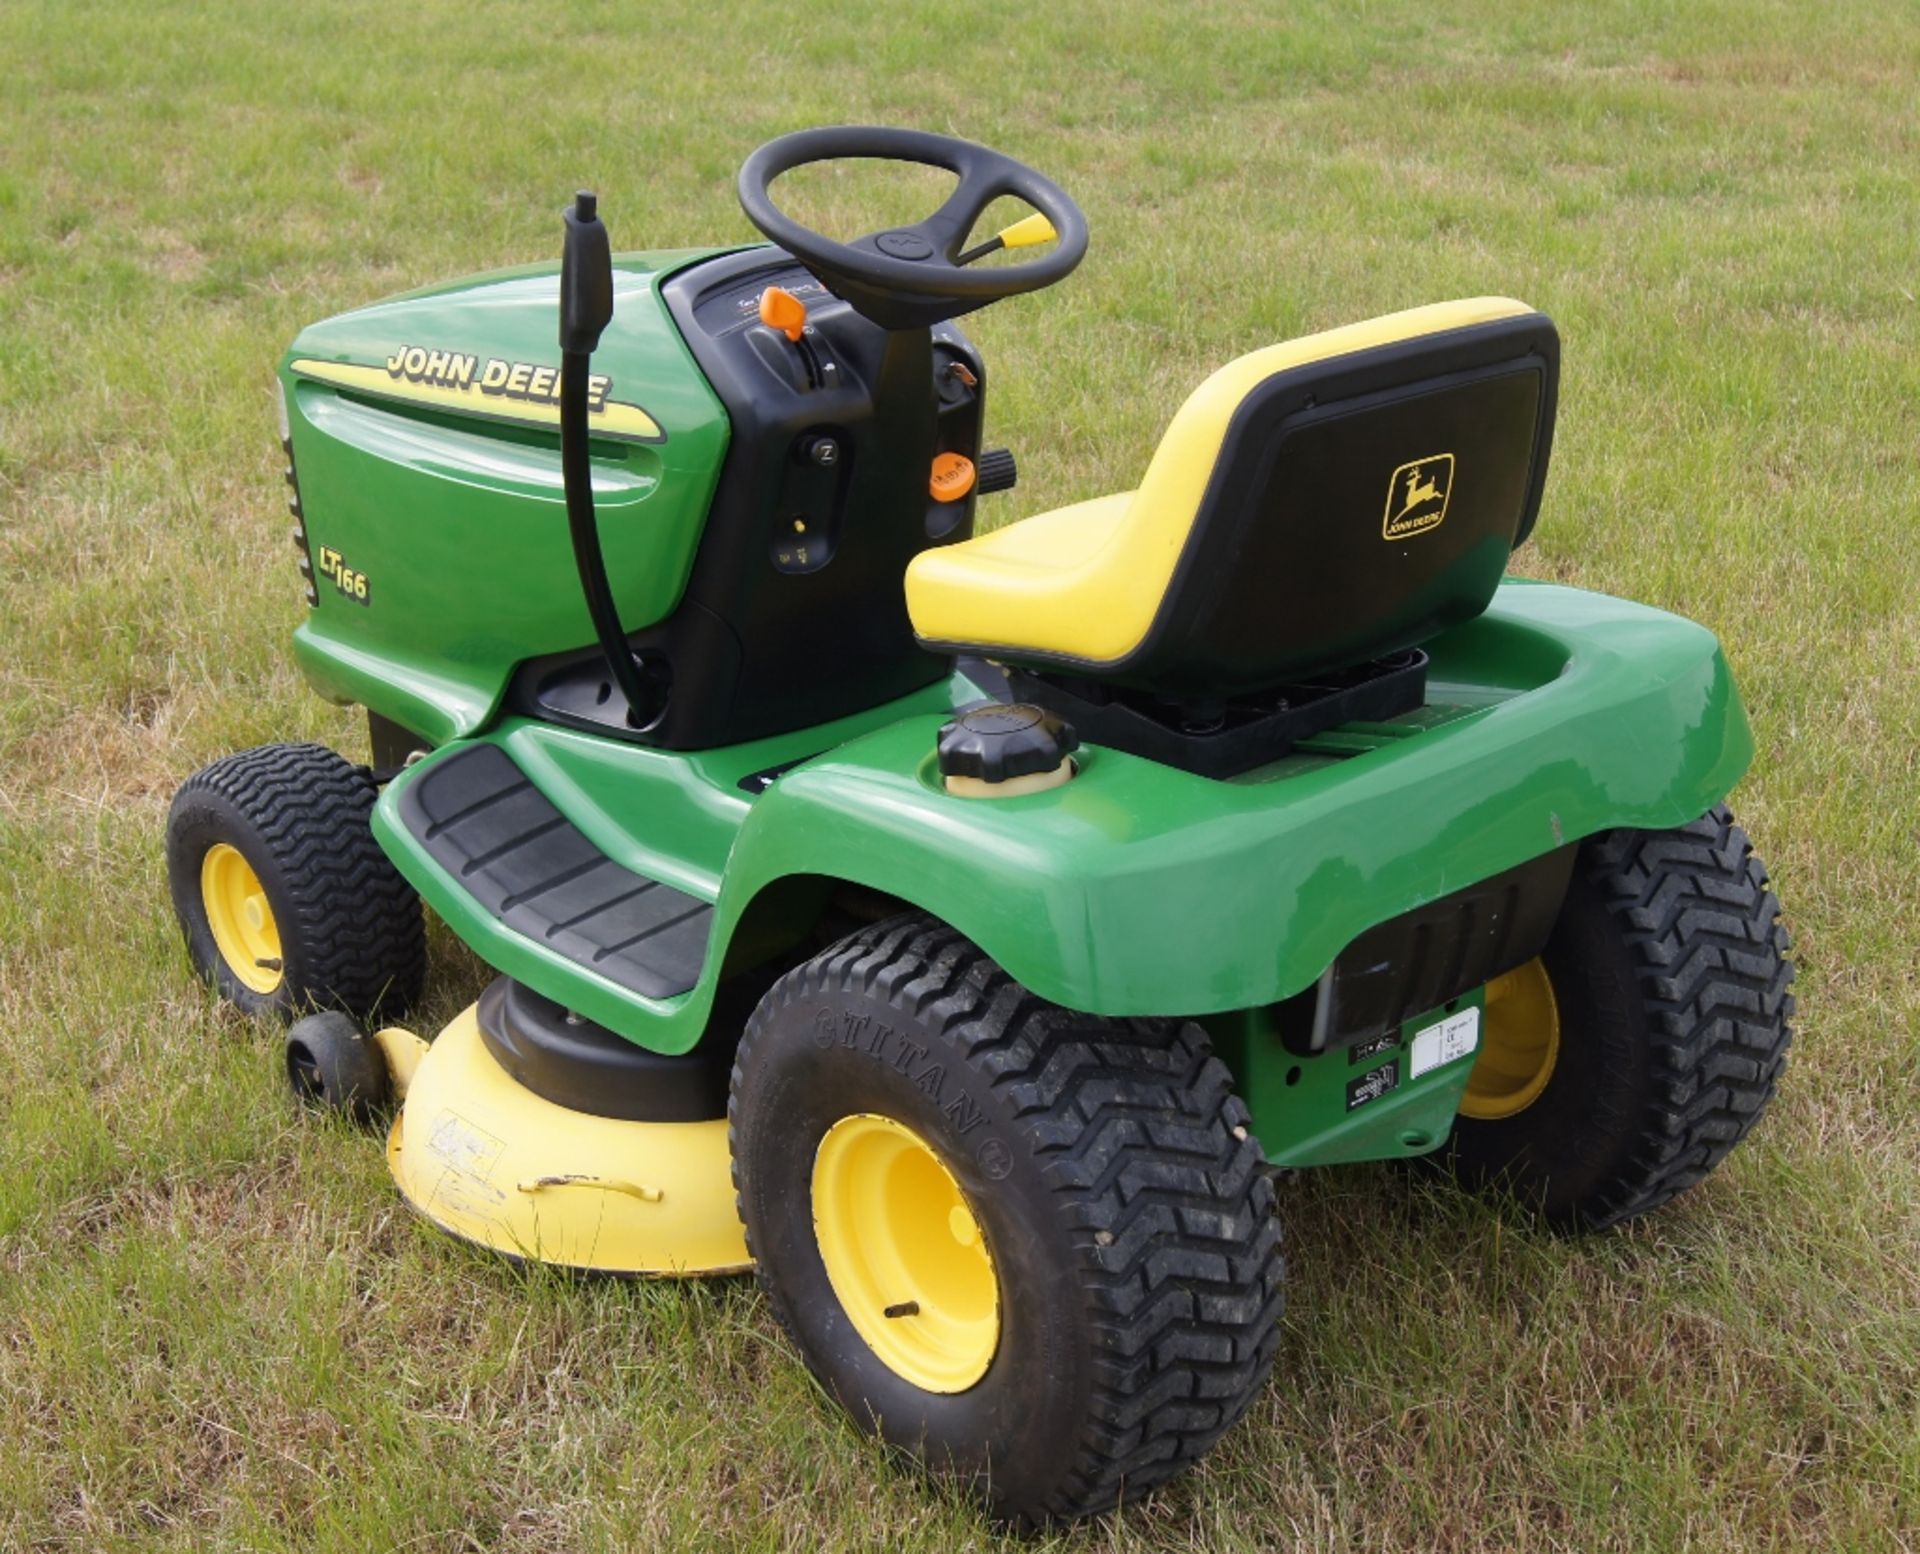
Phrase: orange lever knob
(782, 310)
(952, 477)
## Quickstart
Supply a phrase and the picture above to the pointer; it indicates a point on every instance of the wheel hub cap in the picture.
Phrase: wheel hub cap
(1518, 1046)
(244, 930)
(905, 1254)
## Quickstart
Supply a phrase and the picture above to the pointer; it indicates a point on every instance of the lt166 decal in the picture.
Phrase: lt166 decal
(353, 584)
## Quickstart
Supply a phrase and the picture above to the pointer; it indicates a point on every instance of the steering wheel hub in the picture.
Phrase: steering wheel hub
(904, 245)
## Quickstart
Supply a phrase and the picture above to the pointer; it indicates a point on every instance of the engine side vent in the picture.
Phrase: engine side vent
(299, 521)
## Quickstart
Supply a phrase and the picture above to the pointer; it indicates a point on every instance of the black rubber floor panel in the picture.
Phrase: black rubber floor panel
(482, 821)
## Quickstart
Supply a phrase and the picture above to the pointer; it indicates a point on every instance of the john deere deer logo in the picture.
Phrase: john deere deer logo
(1417, 497)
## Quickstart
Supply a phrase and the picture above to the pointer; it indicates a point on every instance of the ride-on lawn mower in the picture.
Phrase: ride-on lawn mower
(962, 929)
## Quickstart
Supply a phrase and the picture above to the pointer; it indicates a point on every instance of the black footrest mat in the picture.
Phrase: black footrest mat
(482, 821)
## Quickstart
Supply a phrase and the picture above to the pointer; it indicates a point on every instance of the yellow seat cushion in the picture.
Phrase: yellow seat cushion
(1086, 582)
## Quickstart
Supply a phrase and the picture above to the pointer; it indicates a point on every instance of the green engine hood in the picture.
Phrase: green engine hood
(424, 435)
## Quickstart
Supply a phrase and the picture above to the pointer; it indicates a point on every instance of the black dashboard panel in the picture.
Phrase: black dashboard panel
(795, 612)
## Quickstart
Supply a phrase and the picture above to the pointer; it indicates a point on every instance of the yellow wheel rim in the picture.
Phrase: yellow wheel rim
(241, 919)
(1519, 1045)
(905, 1254)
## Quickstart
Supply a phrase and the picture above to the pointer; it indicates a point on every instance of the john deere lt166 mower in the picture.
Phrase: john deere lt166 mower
(960, 929)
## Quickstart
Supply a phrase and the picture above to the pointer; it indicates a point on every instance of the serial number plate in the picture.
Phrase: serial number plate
(1449, 1041)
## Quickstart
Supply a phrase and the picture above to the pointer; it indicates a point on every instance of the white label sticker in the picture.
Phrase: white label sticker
(470, 1150)
(1454, 1037)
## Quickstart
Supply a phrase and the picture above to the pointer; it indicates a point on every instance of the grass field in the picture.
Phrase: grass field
(218, 1327)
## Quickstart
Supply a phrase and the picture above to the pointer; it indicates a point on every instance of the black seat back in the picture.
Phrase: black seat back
(1360, 504)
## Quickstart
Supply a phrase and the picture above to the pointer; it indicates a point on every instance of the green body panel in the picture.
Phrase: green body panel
(1139, 889)
(454, 514)
(1310, 1110)
(670, 815)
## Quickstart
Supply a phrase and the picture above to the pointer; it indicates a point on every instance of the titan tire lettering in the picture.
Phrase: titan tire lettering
(964, 1114)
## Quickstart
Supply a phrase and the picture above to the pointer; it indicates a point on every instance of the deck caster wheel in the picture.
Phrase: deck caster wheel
(332, 1067)
(285, 898)
(1624, 1064)
(1036, 1249)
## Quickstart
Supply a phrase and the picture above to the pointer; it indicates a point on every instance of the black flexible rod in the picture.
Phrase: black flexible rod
(577, 473)
(586, 306)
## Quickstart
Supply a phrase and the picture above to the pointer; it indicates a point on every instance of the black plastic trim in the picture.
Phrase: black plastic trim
(587, 1068)
(1229, 738)
(1424, 958)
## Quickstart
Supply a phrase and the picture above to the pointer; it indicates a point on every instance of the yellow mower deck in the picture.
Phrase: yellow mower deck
(487, 1160)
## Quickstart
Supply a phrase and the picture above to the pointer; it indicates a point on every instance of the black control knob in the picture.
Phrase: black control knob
(818, 449)
(997, 471)
(996, 742)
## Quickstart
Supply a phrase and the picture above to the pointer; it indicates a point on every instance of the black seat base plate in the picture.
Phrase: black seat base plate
(1223, 739)
(482, 820)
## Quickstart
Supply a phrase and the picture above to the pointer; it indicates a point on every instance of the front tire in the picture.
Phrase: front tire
(1035, 1248)
(285, 899)
(1647, 1039)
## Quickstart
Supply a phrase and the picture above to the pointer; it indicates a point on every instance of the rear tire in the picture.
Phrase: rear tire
(1125, 1209)
(1669, 969)
(285, 898)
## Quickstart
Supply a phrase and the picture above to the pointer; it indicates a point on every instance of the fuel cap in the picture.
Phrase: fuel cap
(997, 742)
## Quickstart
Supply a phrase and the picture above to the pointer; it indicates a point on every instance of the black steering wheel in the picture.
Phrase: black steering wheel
(910, 277)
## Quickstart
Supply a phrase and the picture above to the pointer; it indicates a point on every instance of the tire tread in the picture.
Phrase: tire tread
(1154, 1172)
(357, 919)
(1711, 955)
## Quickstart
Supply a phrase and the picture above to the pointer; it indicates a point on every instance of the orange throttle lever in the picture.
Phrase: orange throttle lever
(780, 309)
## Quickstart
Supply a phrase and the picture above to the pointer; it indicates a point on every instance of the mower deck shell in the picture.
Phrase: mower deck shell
(489, 1161)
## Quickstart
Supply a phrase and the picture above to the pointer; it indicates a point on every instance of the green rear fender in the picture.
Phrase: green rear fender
(1137, 889)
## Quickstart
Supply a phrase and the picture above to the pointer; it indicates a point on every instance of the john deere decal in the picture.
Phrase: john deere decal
(1417, 497)
(503, 390)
